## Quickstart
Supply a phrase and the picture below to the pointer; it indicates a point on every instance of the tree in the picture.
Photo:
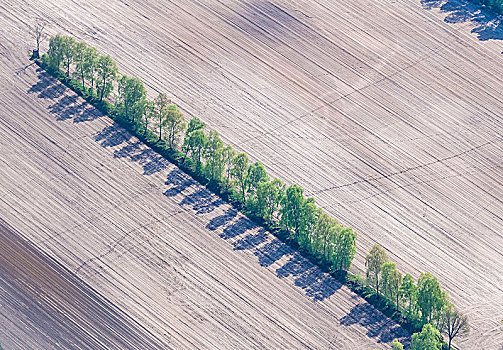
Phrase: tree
(428, 339)
(195, 124)
(39, 34)
(239, 173)
(256, 174)
(344, 248)
(55, 52)
(374, 262)
(107, 72)
(79, 50)
(453, 322)
(408, 294)
(132, 98)
(196, 143)
(148, 115)
(430, 297)
(308, 219)
(161, 104)
(228, 154)
(292, 204)
(396, 345)
(391, 281)
(67, 50)
(90, 64)
(174, 125)
(269, 195)
(214, 157)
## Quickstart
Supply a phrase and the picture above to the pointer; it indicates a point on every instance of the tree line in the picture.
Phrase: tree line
(282, 209)
(424, 304)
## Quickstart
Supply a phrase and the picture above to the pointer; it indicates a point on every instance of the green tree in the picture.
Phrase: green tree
(132, 98)
(195, 124)
(174, 125)
(79, 50)
(391, 281)
(453, 323)
(55, 52)
(148, 115)
(269, 195)
(408, 295)
(396, 345)
(291, 206)
(161, 105)
(256, 174)
(344, 248)
(67, 50)
(428, 339)
(196, 143)
(90, 64)
(228, 154)
(214, 157)
(308, 219)
(239, 173)
(430, 298)
(374, 262)
(107, 72)
(322, 235)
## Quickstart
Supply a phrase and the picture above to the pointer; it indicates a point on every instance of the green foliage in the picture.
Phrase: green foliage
(428, 339)
(239, 173)
(269, 196)
(214, 158)
(292, 204)
(408, 295)
(90, 63)
(174, 125)
(55, 53)
(430, 298)
(374, 263)
(131, 102)
(79, 50)
(160, 111)
(344, 247)
(396, 345)
(68, 52)
(390, 282)
(107, 71)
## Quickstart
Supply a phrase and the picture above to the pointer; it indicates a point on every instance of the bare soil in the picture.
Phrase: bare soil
(388, 112)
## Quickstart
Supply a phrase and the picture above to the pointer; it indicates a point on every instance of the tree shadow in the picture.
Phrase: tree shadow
(317, 284)
(377, 325)
(179, 182)
(237, 228)
(271, 252)
(488, 25)
(251, 240)
(223, 219)
(202, 201)
(65, 107)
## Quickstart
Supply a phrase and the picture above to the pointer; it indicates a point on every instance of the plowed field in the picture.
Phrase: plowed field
(388, 112)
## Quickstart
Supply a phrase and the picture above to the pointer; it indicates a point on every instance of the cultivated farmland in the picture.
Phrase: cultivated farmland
(187, 268)
(385, 113)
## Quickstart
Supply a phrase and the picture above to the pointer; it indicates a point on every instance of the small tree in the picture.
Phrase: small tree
(430, 297)
(79, 59)
(90, 63)
(239, 173)
(131, 101)
(175, 125)
(269, 195)
(161, 104)
(344, 248)
(396, 345)
(228, 154)
(453, 323)
(55, 52)
(408, 294)
(256, 174)
(374, 262)
(148, 115)
(391, 281)
(67, 49)
(214, 157)
(107, 72)
(195, 124)
(39, 34)
(291, 207)
(428, 339)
